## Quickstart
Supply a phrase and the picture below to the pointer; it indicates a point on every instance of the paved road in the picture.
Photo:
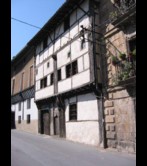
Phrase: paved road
(37, 150)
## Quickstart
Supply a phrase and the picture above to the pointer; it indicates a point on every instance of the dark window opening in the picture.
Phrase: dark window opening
(28, 103)
(83, 44)
(68, 71)
(19, 106)
(68, 54)
(132, 44)
(73, 112)
(52, 79)
(28, 118)
(66, 23)
(43, 83)
(74, 68)
(59, 74)
(48, 64)
(19, 119)
(45, 43)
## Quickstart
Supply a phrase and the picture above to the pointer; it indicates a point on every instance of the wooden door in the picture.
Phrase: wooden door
(45, 122)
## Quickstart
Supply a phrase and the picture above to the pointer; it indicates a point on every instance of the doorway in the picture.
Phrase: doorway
(45, 122)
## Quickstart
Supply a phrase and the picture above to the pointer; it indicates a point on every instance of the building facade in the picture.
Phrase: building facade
(23, 109)
(65, 91)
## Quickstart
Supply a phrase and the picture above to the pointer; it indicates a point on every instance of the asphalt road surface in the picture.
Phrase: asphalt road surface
(40, 150)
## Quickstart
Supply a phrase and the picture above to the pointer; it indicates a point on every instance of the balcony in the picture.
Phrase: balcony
(125, 69)
(124, 11)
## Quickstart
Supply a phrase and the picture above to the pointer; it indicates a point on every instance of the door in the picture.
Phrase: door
(45, 125)
(56, 125)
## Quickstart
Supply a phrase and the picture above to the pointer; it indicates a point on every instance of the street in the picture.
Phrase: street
(41, 150)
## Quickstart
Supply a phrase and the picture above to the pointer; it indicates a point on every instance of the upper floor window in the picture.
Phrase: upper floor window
(19, 106)
(52, 79)
(43, 83)
(31, 76)
(59, 74)
(48, 64)
(45, 42)
(73, 112)
(28, 103)
(83, 44)
(71, 69)
(66, 23)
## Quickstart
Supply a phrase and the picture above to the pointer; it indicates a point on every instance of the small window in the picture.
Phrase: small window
(83, 44)
(132, 44)
(52, 79)
(28, 118)
(73, 112)
(19, 106)
(66, 23)
(59, 74)
(74, 68)
(43, 83)
(19, 119)
(68, 71)
(45, 43)
(28, 103)
(68, 54)
(48, 64)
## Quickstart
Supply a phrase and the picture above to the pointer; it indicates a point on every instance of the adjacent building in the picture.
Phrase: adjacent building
(23, 109)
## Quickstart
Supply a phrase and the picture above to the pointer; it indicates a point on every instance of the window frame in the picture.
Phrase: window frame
(59, 75)
(72, 110)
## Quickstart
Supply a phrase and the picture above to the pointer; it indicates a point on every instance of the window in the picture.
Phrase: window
(48, 64)
(73, 112)
(74, 68)
(66, 23)
(132, 44)
(71, 69)
(19, 106)
(43, 83)
(68, 71)
(28, 118)
(22, 81)
(19, 119)
(31, 76)
(52, 79)
(59, 74)
(83, 44)
(45, 43)
(13, 85)
(68, 54)
(28, 103)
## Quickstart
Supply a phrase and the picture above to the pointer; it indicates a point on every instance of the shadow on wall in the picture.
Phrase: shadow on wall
(13, 126)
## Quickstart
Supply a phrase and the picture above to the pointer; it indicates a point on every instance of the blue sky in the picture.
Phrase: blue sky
(35, 12)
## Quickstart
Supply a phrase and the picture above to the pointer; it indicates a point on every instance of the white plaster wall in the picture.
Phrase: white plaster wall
(87, 107)
(40, 72)
(38, 85)
(57, 45)
(43, 93)
(86, 61)
(50, 68)
(33, 111)
(37, 60)
(64, 85)
(46, 53)
(81, 79)
(80, 64)
(65, 38)
(41, 55)
(83, 132)
(62, 58)
(51, 48)
(74, 30)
